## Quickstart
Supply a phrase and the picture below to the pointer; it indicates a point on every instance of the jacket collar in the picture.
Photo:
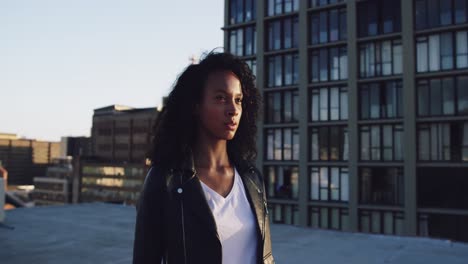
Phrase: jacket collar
(196, 201)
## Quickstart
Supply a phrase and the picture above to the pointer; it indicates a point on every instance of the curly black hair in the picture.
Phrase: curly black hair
(174, 131)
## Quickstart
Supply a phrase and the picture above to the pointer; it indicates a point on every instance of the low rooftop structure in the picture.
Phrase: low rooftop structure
(103, 233)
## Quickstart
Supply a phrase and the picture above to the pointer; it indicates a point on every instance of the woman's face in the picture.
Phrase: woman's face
(220, 108)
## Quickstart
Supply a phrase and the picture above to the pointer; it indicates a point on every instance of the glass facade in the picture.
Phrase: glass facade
(381, 186)
(377, 17)
(282, 182)
(111, 183)
(442, 52)
(367, 114)
(328, 26)
(382, 58)
(437, 13)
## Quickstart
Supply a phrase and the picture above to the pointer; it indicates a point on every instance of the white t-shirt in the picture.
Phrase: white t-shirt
(235, 222)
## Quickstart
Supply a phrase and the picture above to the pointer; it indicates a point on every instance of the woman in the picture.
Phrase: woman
(203, 201)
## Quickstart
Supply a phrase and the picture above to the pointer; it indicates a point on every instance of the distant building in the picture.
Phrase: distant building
(121, 133)
(121, 139)
(26, 158)
(76, 146)
(56, 187)
(116, 182)
(365, 124)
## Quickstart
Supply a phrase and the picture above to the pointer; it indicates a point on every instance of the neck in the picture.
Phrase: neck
(211, 154)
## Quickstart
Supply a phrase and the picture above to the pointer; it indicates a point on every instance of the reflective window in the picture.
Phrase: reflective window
(328, 26)
(318, 3)
(282, 107)
(381, 142)
(277, 7)
(329, 103)
(282, 144)
(446, 96)
(283, 34)
(241, 11)
(443, 141)
(282, 182)
(329, 184)
(284, 213)
(282, 70)
(443, 51)
(376, 17)
(381, 100)
(436, 13)
(243, 41)
(381, 222)
(329, 143)
(329, 218)
(252, 65)
(382, 186)
(329, 64)
(381, 58)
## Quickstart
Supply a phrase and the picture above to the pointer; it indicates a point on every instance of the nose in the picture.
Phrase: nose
(233, 109)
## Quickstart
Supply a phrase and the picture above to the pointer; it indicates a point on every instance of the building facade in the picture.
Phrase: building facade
(365, 124)
(56, 187)
(121, 133)
(26, 158)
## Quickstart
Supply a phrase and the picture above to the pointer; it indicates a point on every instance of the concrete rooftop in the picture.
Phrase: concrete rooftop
(103, 233)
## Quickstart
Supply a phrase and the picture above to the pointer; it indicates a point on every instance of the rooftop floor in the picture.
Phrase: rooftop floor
(103, 233)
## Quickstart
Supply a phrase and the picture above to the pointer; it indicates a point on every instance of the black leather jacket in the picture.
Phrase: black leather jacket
(175, 224)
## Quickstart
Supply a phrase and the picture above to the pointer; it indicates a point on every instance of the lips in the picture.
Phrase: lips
(231, 125)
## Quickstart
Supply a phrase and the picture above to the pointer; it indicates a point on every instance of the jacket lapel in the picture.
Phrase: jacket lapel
(195, 202)
(255, 197)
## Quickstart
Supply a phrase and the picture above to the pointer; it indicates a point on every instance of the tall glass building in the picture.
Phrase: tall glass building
(365, 121)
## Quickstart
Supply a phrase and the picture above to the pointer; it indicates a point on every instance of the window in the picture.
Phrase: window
(329, 218)
(443, 141)
(329, 184)
(329, 64)
(283, 70)
(381, 222)
(382, 58)
(329, 143)
(376, 17)
(282, 182)
(282, 144)
(381, 186)
(381, 100)
(284, 213)
(282, 107)
(436, 13)
(318, 3)
(448, 226)
(443, 51)
(283, 34)
(252, 65)
(243, 41)
(329, 104)
(241, 11)
(446, 96)
(442, 188)
(381, 142)
(328, 26)
(277, 7)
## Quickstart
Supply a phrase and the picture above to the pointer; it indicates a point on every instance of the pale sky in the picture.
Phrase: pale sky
(60, 59)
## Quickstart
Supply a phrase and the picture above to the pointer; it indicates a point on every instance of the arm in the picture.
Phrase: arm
(149, 238)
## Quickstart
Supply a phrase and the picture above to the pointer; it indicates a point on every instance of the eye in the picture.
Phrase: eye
(220, 98)
(238, 100)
